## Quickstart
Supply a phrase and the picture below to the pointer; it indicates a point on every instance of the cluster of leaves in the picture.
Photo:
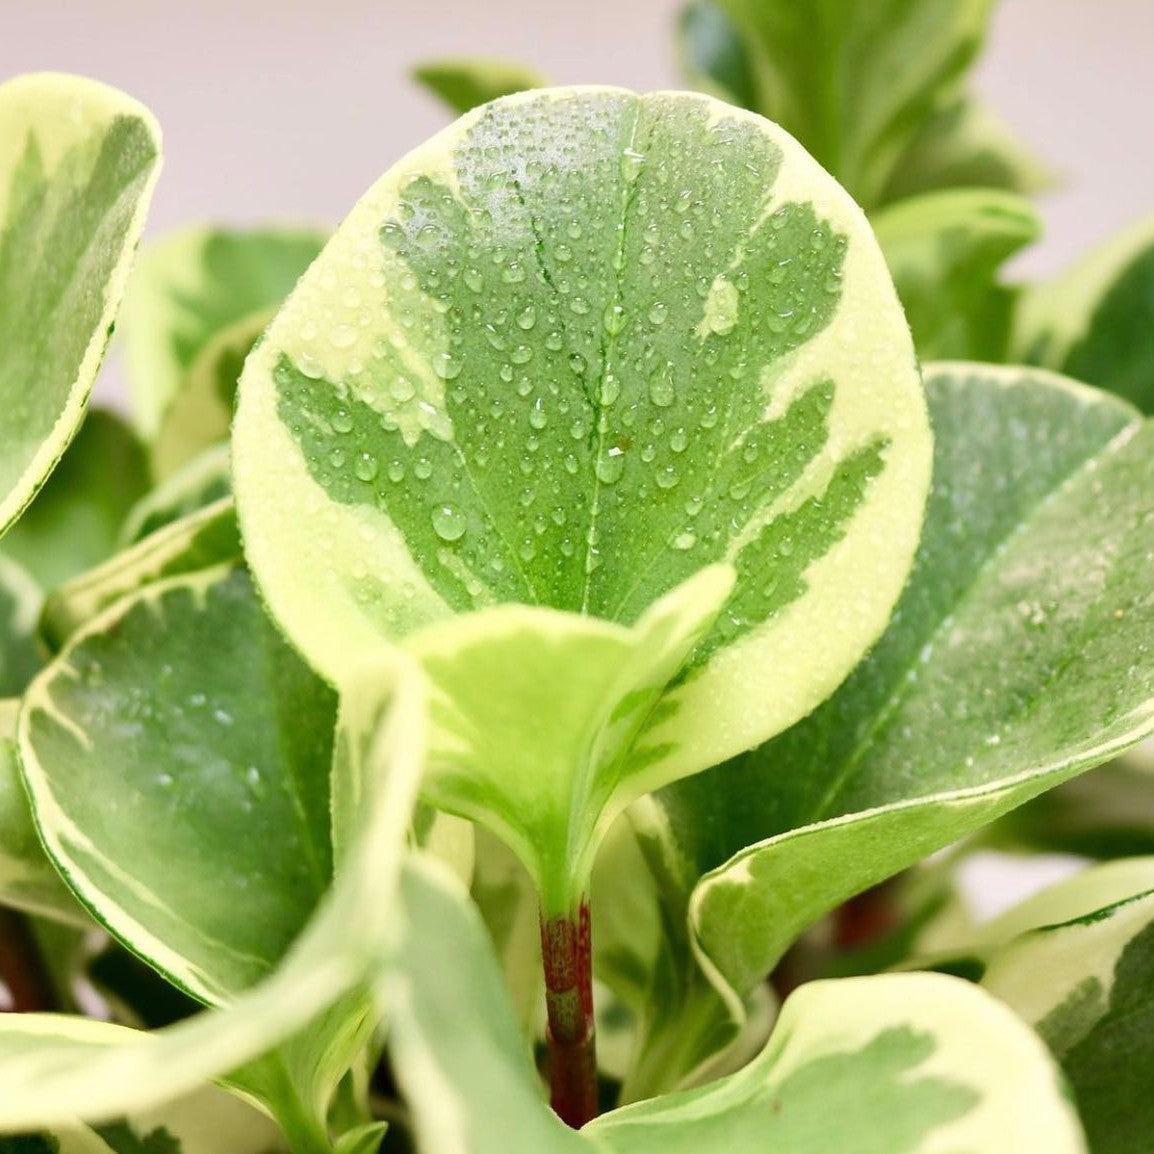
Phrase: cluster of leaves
(570, 551)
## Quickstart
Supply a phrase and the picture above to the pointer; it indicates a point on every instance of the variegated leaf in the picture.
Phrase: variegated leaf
(78, 162)
(575, 350)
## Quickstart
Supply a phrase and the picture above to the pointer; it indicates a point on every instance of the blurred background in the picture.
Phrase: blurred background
(289, 109)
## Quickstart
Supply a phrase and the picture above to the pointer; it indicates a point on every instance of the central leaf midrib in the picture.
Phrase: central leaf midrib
(608, 346)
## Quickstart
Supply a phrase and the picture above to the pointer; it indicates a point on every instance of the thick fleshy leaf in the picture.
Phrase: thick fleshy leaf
(28, 879)
(1095, 321)
(210, 760)
(964, 144)
(55, 1069)
(855, 82)
(1107, 813)
(202, 540)
(20, 599)
(713, 54)
(200, 483)
(899, 1064)
(573, 351)
(945, 251)
(190, 286)
(200, 414)
(207, 1121)
(470, 81)
(75, 521)
(1017, 657)
(78, 162)
(1077, 962)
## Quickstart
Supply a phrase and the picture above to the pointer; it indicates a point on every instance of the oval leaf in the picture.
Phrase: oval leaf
(575, 349)
(210, 760)
(1015, 660)
(78, 162)
(464, 84)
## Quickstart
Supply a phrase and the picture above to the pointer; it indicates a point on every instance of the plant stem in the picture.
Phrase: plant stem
(566, 950)
(22, 967)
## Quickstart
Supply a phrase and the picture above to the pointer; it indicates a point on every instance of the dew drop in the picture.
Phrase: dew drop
(685, 540)
(473, 279)
(661, 390)
(343, 337)
(521, 355)
(366, 466)
(527, 318)
(613, 319)
(448, 522)
(610, 467)
(342, 421)
(447, 366)
(658, 311)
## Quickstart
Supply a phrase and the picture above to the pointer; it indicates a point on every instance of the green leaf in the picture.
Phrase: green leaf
(1014, 660)
(945, 251)
(54, 1069)
(856, 82)
(556, 388)
(964, 144)
(189, 287)
(211, 761)
(1106, 813)
(202, 540)
(1094, 321)
(1077, 962)
(898, 1064)
(78, 162)
(464, 84)
(75, 521)
(20, 599)
(28, 879)
(712, 54)
(200, 414)
(195, 486)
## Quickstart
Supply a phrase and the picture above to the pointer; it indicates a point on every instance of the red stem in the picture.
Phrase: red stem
(566, 950)
(22, 966)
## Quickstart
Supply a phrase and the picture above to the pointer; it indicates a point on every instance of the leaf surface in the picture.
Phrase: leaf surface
(78, 162)
(1015, 660)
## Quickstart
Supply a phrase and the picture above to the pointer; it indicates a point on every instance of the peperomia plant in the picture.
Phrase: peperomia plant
(584, 628)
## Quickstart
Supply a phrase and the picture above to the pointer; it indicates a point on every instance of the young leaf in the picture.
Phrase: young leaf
(577, 349)
(189, 287)
(78, 162)
(20, 599)
(855, 82)
(1014, 660)
(1095, 321)
(201, 412)
(75, 521)
(945, 251)
(54, 1069)
(465, 84)
(211, 761)
(203, 540)
(900, 1064)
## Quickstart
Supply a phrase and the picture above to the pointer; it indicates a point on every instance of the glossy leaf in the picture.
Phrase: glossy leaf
(54, 1069)
(20, 599)
(75, 521)
(198, 484)
(945, 251)
(200, 414)
(1016, 658)
(585, 413)
(188, 288)
(28, 879)
(898, 1064)
(855, 82)
(202, 540)
(78, 162)
(1094, 322)
(468, 82)
(1077, 962)
(211, 761)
